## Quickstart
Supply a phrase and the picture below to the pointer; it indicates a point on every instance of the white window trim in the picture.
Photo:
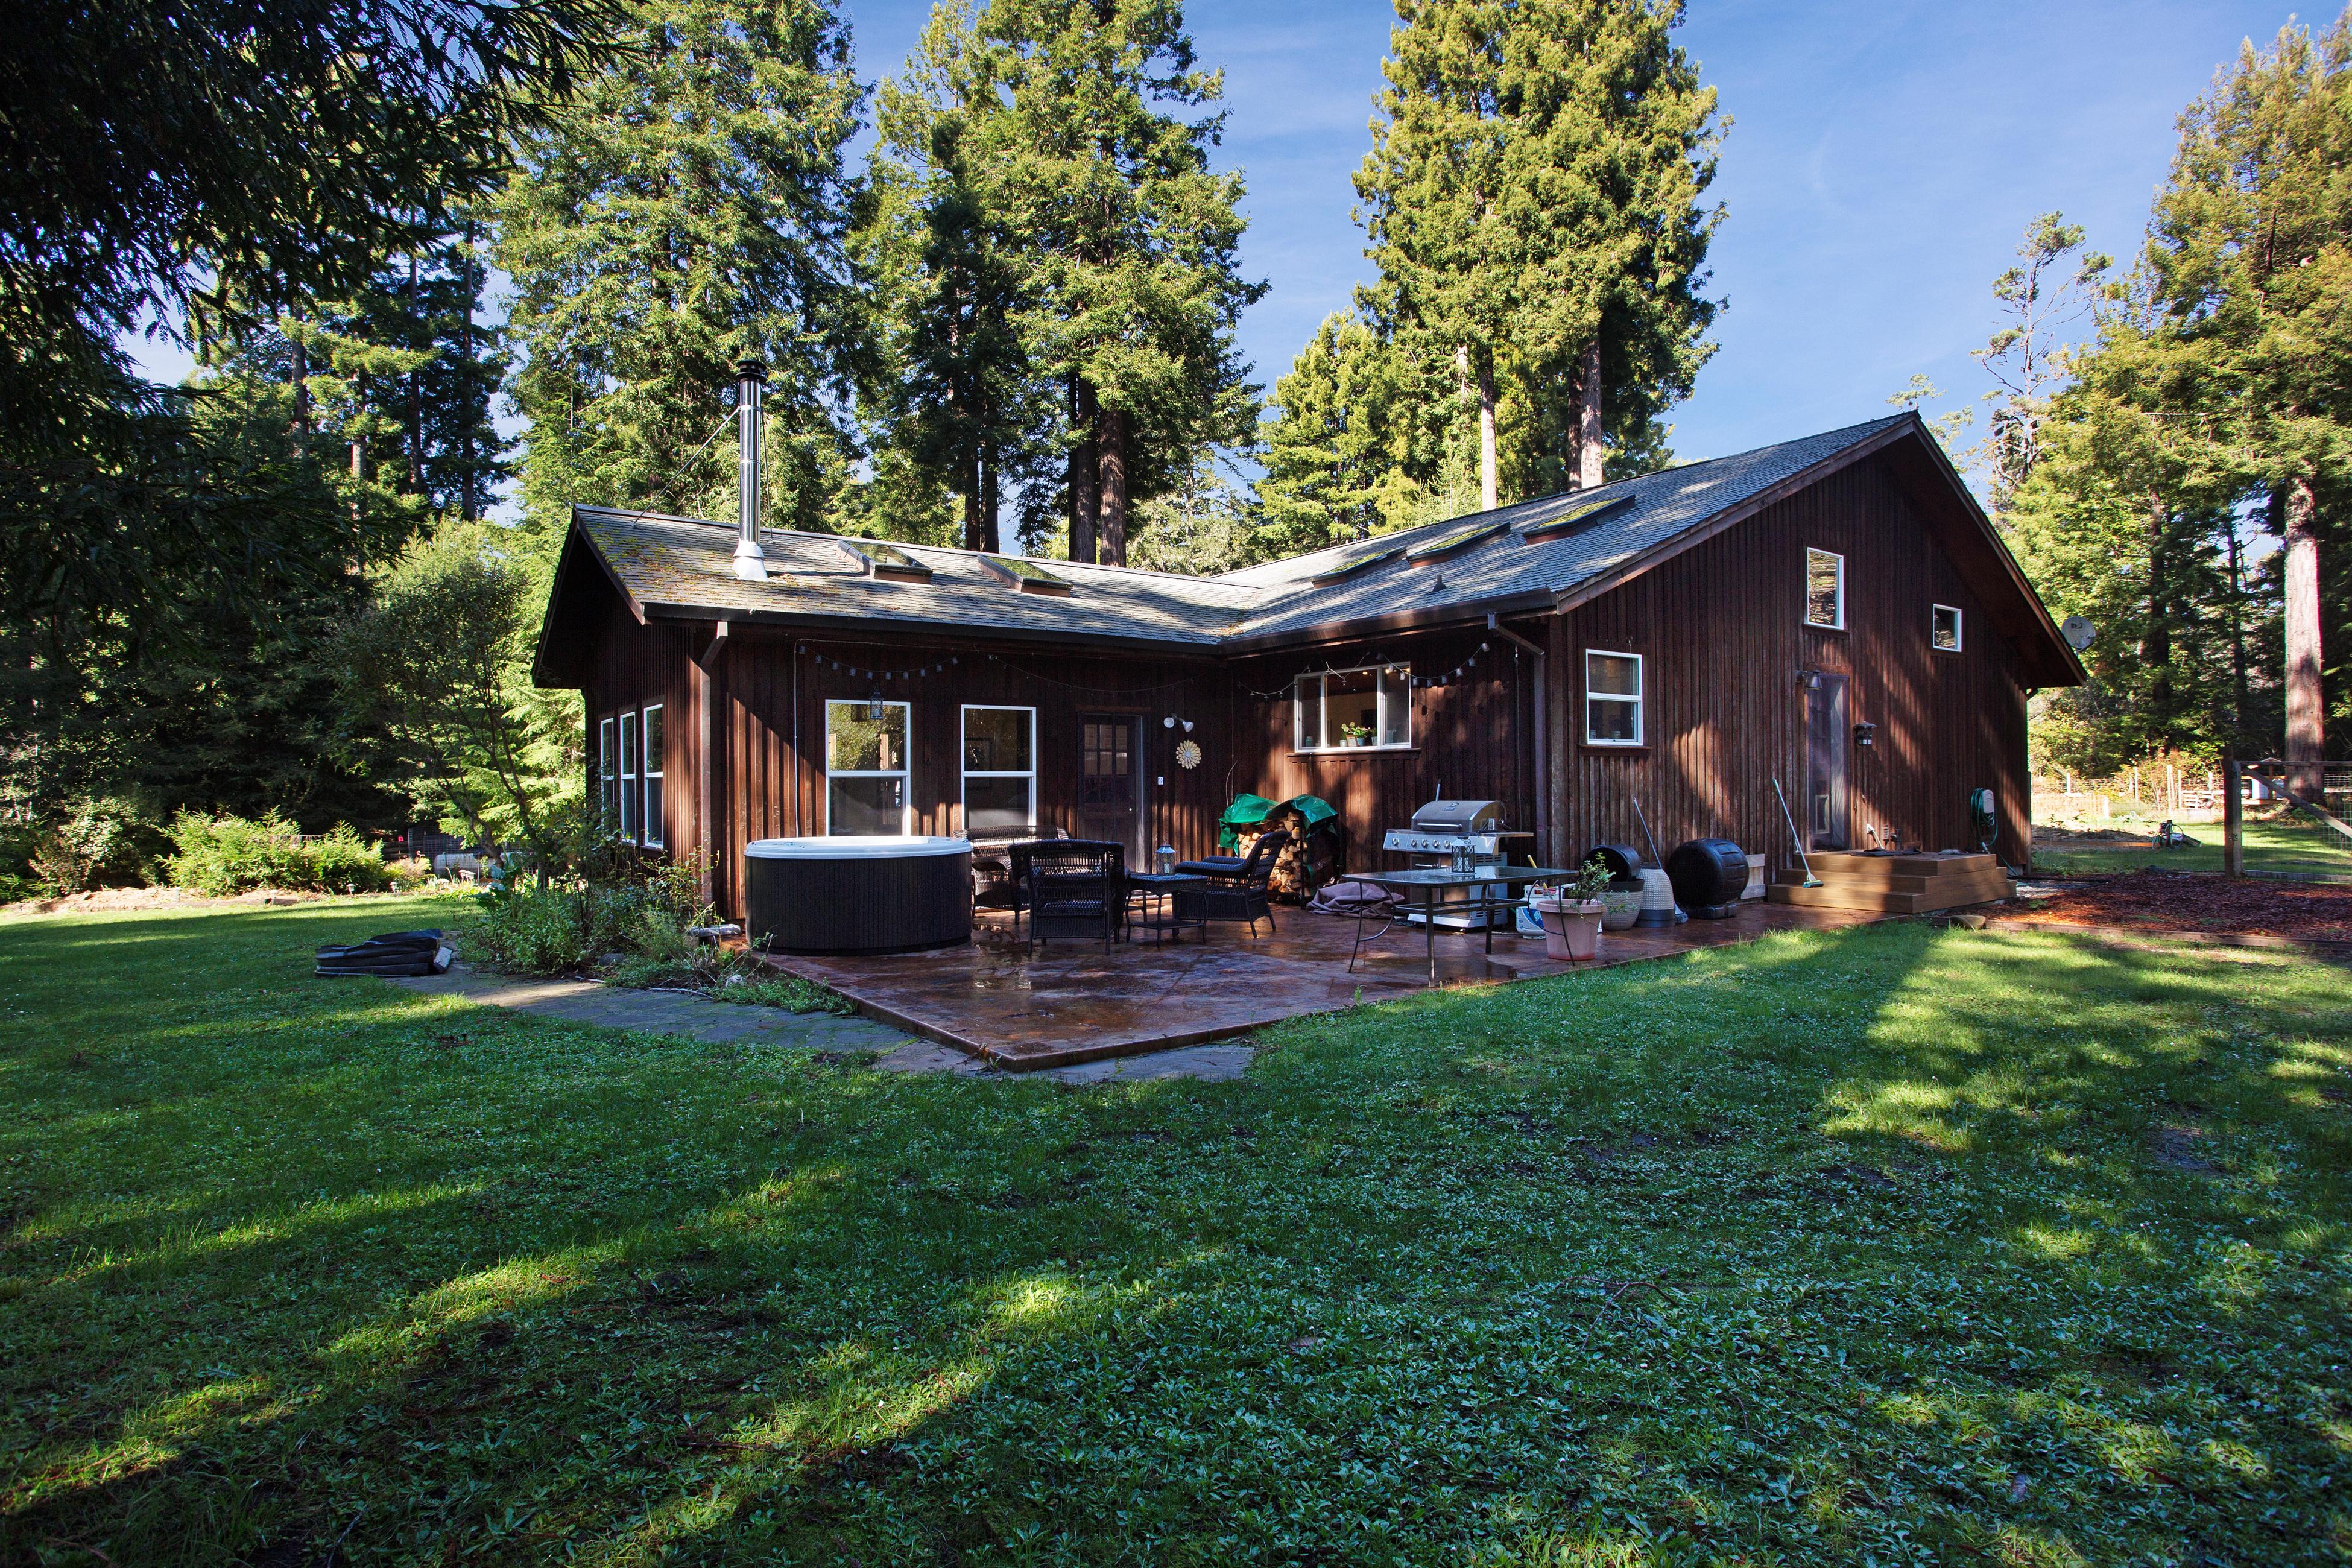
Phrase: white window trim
(1323, 742)
(963, 730)
(1835, 625)
(608, 776)
(904, 775)
(1959, 632)
(650, 832)
(1640, 699)
(633, 740)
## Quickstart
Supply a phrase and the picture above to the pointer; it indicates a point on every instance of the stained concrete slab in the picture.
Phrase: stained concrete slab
(1209, 1064)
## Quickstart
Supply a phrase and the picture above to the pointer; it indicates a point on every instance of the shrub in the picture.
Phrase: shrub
(98, 840)
(229, 854)
(569, 926)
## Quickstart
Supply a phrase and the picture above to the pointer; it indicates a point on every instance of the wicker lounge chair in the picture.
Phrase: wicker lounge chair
(1237, 883)
(1076, 886)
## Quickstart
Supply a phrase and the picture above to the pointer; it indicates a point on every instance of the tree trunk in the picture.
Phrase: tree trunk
(1489, 462)
(2305, 712)
(2156, 635)
(416, 392)
(1590, 472)
(1111, 437)
(991, 502)
(468, 506)
(301, 379)
(1083, 502)
(969, 482)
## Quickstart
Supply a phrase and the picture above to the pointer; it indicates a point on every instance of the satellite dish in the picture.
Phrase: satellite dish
(2078, 632)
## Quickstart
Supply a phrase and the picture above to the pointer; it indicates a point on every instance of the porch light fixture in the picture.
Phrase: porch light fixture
(874, 708)
(1865, 733)
(1810, 679)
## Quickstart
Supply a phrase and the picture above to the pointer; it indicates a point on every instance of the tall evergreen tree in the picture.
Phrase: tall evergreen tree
(688, 211)
(1130, 241)
(1533, 196)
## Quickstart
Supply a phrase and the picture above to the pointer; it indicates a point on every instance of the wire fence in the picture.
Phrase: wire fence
(2290, 822)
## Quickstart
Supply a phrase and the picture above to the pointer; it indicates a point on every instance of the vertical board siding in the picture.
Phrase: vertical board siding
(1721, 630)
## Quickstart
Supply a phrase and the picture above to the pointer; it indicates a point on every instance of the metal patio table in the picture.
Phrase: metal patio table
(1432, 884)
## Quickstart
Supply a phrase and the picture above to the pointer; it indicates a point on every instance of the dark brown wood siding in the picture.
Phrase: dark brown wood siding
(1721, 631)
(1473, 737)
(632, 666)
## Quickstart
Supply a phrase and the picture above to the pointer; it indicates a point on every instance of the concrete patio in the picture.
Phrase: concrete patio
(1071, 1003)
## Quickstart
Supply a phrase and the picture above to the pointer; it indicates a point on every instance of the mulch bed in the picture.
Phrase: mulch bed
(2171, 900)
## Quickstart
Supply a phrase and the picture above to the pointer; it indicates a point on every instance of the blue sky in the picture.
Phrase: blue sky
(1883, 160)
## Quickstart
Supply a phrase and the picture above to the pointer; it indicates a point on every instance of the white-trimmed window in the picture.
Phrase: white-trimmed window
(999, 746)
(866, 767)
(629, 777)
(1825, 589)
(1613, 698)
(608, 777)
(1944, 628)
(651, 775)
(1337, 709)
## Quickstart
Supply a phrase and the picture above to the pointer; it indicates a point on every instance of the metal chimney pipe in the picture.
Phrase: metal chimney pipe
(750, 390)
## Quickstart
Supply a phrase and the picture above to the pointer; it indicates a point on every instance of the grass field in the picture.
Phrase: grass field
(2280, 842)
(1887, 1247)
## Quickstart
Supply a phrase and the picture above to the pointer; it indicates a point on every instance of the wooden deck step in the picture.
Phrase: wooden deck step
(1875, 868)
(1942, 893)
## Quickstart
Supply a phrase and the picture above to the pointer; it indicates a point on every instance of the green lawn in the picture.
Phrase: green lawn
(1890, 1246)
(2287, 842)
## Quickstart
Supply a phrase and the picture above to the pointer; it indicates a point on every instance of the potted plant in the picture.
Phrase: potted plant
(1571, 913)
(1620, 903)
(1357, 734)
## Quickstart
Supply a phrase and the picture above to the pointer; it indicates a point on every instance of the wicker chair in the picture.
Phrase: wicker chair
(1075, 887)
(1237, 883)
(1000, 869)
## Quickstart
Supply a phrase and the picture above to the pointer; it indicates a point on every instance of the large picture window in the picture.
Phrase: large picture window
(1343, 708)
(608, 778)
(1000, 769)
(866, 767)
(1825, 589)
(1613, 698)
(651, 770)
(1944, 628)
(629, 776)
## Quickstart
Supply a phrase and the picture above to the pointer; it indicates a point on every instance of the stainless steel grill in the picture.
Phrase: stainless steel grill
(1444, 826)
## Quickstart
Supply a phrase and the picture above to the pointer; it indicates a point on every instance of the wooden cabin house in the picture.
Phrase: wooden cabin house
(1835, 613)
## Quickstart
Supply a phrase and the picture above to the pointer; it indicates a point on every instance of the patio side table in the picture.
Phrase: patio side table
(1426, 891)
(1168, 904)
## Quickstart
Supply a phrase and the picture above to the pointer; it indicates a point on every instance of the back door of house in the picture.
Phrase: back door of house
(1825, 743)
(1110, 781)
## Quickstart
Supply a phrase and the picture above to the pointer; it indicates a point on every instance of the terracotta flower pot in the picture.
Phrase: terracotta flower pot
(1571, 930)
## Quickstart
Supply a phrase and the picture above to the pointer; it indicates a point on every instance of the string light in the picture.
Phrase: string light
(854, 673)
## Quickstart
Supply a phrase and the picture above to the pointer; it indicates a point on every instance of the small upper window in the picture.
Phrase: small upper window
(1613, 699)
(1824, 589)
(1945, 633)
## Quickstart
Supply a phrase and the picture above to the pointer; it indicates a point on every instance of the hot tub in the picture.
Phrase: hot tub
(857, 893)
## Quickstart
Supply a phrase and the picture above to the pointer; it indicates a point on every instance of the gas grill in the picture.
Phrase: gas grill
(1443, 826)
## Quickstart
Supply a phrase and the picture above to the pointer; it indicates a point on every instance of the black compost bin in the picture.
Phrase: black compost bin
(1709, 875)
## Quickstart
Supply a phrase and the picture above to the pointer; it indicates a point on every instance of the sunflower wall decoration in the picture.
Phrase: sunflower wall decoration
(1188, 754)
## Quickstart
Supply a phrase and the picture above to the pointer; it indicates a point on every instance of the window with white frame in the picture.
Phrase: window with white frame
(1944, 628)
(608, 777)
(1338, 709)
(651, 773)
(866, 767)
(1000, 769)
(629, 777)
(1825, 589)
(1613, 698)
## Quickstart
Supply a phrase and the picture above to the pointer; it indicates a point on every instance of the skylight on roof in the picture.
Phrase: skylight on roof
(1354, 564)
(886, 560)
(1574, 519)
(1027, 574)
(1446, 544)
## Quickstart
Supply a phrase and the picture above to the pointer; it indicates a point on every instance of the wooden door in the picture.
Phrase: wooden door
(1825, 744)
(1110, 781)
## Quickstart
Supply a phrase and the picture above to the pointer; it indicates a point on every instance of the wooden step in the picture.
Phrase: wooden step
(1843, 864)
(1949, 893)
(1892, 884)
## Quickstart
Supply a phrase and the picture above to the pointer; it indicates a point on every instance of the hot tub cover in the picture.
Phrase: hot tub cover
(855, 846)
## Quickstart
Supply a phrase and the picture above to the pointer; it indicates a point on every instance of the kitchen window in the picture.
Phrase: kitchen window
(866, 767)
(629, 776)
(1000, 769)
(1339, 710)
(650, 814)
(1825, 590)
(1613, 698)
(1944, 628)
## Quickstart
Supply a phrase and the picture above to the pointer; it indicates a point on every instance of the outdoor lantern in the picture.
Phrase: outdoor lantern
(1864, 734)
(874, 708)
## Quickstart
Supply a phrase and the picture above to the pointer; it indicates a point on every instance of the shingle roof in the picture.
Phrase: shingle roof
(684, 567)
